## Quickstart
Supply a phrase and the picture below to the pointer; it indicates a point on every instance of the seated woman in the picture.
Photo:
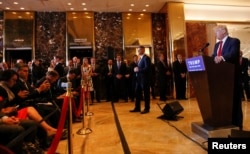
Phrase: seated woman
(8, 79)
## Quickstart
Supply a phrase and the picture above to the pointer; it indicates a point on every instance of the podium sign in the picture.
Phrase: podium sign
(195, 64)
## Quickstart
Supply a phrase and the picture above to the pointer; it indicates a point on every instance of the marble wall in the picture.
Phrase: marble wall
(196, 33)
(159, 34)
(108, 35)
(50, 35)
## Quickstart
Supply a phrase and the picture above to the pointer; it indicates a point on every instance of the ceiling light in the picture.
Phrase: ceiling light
(7, 8)
(147, 5)
(21, 8)
(72, 8)
(84, 9)
(15, 3)
(130, 10)
(69, 4)
(144, 10)
(132, 4)
(83, 3)
(1, 2)
(13, 12)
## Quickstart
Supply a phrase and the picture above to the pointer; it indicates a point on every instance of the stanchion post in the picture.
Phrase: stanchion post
(70, 135)
(83, 130)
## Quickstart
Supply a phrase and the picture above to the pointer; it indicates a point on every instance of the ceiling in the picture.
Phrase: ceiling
(195, 10)
(192, 7)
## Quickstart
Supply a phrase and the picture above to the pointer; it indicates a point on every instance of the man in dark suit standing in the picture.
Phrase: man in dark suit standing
(119, 71)
(143, 81)
(133, 77)
(180, 77)
(96, 78)
(164, 72)
(109, 80)
(244, 77)
(59, 66)
(228, 50)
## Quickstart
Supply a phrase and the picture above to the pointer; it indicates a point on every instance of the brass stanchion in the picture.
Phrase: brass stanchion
(84, 130)
(70, 135)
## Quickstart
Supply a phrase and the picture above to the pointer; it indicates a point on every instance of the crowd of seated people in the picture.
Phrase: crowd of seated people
(34, 91)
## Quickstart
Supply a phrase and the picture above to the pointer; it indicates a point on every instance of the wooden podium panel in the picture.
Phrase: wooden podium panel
(214, 91)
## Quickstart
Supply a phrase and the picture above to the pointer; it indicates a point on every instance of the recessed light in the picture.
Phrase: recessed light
(132, 4)
(130, 9)
(15, 3)
(147, 5)
(21, 8)
(84, 9)
(69, 4)
(144, 10)
(83, 3)
(72, 8)
(7, 8)
(1, 2)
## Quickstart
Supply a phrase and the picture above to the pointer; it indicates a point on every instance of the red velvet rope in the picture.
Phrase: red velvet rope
(77, 111)
(57, 137)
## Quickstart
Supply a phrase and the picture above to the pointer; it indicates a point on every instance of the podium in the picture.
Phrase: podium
(213, 85)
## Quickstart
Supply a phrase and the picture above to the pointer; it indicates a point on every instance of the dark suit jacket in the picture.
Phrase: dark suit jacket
(230, 50)
(244, 67)
(20, 85)
(143, 76)
(122, 70)
(60, 69)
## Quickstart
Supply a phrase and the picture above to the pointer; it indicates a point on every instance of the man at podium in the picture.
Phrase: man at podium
(227, 49)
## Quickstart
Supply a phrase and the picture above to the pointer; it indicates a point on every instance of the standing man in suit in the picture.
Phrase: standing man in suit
(59, 66)
(180, 77)
(119, 70)
(96, 78)
(164, 72)
(228, 50)
(109, 83)
(142, 81)
(133, 77)
(244, 77)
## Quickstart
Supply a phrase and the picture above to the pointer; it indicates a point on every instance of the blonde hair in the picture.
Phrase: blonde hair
(221, 28)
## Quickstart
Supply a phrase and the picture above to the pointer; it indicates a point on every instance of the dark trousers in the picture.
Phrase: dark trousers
(15, 133)
(146, 93)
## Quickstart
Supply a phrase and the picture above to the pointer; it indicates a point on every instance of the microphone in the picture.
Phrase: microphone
(204, 47)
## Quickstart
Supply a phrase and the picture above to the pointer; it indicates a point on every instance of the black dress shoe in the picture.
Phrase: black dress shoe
(135, 110)
(144, 111)
(77, 119)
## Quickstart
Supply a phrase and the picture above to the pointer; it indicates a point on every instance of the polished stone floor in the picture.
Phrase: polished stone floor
(139, 133)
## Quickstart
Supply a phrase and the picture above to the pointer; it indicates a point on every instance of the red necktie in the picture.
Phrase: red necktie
(220, 49)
